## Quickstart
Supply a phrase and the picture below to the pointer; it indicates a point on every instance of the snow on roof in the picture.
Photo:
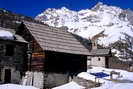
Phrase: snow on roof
(6, 35)
(14, 86)
(71, 85)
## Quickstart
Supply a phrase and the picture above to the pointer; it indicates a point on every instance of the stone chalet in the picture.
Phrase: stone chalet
(13, 59)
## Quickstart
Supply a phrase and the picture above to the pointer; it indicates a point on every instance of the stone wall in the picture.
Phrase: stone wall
(38, 80)
(44, 80)
(115, 63)
(96, 61)
(55, 79)
(16, 62)
(15, 75)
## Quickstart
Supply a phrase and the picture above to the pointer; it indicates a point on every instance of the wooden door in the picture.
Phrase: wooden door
(106, 62)
(7, 78)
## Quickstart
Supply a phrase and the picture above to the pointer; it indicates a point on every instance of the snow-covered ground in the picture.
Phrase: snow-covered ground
(14, 86)
(125, 81)
(71, 85)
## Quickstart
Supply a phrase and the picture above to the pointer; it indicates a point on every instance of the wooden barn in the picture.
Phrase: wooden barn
(13, 57)
(54, 51)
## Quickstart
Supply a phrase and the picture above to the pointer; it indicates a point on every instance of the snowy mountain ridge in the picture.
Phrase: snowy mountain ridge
(89, 22)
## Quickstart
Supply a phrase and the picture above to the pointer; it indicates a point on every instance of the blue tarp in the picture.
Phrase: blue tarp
(100, 74)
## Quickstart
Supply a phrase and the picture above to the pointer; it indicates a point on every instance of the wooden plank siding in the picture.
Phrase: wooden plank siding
(43, 38)
(37, 61)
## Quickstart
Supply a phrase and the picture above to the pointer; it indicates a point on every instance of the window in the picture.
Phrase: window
(99, 59)
(1, 50)
(94, 44)
(89, 59)
(9, 50)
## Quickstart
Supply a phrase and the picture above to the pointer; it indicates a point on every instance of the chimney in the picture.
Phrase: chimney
(94, 44)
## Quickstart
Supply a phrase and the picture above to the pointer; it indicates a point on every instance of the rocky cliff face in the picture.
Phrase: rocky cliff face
(11, 20)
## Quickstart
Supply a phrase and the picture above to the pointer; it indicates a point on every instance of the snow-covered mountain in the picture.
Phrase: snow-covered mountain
(89, 22)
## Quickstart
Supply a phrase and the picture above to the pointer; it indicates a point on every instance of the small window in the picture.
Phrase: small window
(99, 59)
(94, 44)
(9, 50)
(89, 59)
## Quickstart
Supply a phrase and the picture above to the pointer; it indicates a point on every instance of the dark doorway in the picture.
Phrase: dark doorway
(65, 63)
(106, 62)
(7, 78)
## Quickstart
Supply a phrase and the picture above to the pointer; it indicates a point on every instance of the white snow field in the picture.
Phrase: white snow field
(125, 81)
(71, 85)
(14, 86)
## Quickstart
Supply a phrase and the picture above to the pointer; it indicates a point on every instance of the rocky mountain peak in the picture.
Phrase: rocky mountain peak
(65, 9)
(89, 22)
(97, 6)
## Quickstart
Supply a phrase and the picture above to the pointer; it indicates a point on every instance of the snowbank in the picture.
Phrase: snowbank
(14, 86)
(71, 85)
(88, 76)
(123, 82)
(6, 35)
(125, 75)
(112, 85)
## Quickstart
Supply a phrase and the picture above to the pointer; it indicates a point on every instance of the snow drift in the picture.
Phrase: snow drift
(71, 85)
(14, 86)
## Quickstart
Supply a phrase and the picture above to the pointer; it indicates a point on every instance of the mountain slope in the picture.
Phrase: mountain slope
(89, 22)
(12, 20)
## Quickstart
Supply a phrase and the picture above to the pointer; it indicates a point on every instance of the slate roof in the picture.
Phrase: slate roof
(55, 39)
(85, 42)
(100, 52)
(17, 37)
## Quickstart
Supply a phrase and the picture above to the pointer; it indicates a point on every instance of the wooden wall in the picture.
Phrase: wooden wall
(65, 63)
(36, 53)
(37, 61)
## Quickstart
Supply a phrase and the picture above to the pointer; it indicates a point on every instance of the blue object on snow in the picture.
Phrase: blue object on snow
(100, 74)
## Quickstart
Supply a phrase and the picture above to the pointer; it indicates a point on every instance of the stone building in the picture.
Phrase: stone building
(13, 59)
(99, 57)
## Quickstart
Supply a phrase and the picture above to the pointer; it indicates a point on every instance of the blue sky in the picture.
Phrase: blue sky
(33, 7)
